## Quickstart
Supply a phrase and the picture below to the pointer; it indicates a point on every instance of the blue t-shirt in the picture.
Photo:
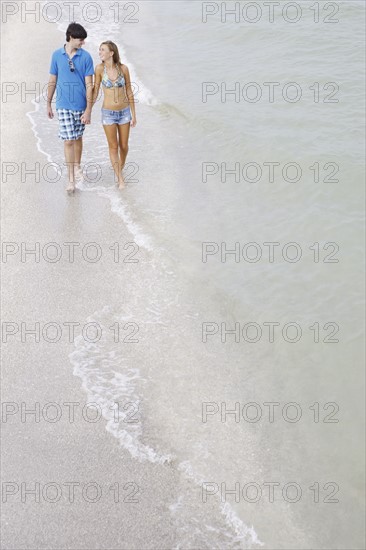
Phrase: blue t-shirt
(71, 87)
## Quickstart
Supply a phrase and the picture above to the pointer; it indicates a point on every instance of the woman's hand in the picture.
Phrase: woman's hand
(133, 121)
(86, 117)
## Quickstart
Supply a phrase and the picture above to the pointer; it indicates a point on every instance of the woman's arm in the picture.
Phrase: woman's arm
(97, 81)
(129, 93)
(89, 93)
(92, 94)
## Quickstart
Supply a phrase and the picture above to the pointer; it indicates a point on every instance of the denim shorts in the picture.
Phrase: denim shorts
(70, 126)
(116, 117)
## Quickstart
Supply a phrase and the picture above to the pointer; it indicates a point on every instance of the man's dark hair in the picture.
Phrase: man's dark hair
(75, 30)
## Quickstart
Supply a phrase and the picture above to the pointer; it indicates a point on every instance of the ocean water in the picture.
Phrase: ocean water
(177, 199)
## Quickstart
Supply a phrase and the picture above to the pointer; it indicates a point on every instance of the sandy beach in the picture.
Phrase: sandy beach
(105, 368)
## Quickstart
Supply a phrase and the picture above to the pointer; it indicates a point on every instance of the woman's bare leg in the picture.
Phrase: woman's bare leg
(112, 138)
(123, 133)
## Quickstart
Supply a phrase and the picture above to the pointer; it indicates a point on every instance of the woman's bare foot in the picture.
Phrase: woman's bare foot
(121, 183)
(70, 188)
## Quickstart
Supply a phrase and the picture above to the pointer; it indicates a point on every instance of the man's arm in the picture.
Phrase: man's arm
(50, 93)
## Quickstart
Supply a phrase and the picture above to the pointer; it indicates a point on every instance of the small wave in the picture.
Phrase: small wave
(109, 378)
(119, 207)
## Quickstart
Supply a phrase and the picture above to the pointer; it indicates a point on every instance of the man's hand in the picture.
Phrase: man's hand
(86, 117)
(52, 83)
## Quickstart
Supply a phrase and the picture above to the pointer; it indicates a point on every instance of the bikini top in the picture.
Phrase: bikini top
(119, 82)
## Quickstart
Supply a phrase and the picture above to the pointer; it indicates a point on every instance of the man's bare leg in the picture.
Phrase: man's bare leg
(78, 150)
(70, 162)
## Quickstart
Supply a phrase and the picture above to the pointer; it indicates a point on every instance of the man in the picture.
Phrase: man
(71, 74)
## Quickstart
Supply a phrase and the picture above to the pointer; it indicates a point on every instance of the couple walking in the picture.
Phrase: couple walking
(71, 74)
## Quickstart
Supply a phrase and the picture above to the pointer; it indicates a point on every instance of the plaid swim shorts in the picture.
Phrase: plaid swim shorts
(70, 126)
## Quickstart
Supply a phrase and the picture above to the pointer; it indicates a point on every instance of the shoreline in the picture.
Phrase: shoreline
(37, 372)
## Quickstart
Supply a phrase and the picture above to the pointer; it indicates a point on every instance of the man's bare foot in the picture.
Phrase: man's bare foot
(70, 188)
(79, 174)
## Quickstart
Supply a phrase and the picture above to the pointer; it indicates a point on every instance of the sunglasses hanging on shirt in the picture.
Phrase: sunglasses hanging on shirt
(71, 63)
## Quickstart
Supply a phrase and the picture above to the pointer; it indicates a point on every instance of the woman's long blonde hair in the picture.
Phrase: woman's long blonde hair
(113, 48)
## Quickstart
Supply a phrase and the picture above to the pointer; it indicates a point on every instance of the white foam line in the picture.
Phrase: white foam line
(121, 209)
(107, 391)
(242, 531)
(36, 102)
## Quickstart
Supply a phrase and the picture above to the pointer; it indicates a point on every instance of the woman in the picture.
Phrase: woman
(118, 111)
